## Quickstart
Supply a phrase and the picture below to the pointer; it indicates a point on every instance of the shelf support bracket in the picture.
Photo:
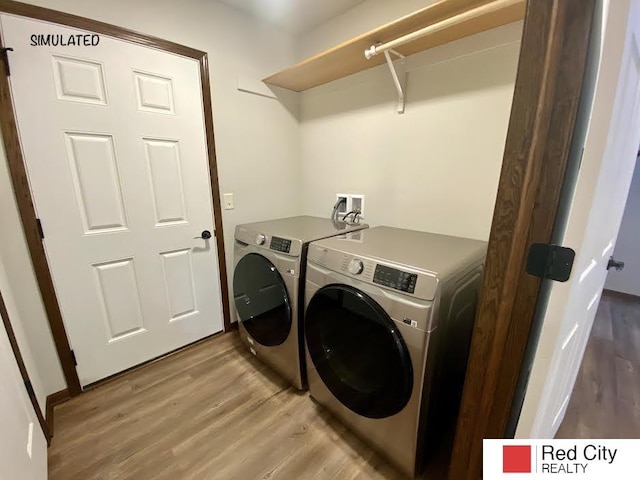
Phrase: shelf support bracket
(399, 76)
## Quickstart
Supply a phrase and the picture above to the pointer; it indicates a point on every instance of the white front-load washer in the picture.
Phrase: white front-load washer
(388, 323)
(268, 287)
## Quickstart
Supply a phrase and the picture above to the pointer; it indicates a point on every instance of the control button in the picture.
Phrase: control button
(260, 239)
(356, 266)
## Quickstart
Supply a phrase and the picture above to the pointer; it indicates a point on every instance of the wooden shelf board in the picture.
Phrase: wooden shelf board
(348, 58)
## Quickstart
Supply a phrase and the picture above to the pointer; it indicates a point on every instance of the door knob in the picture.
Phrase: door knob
(619, 266)
(205, 235)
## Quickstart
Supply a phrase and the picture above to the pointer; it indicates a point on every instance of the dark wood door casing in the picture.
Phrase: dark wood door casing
(20, 179)
(545, 104)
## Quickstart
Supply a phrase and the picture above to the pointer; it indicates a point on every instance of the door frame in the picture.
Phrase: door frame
(20, 179)
(543, 114)
(23, 370)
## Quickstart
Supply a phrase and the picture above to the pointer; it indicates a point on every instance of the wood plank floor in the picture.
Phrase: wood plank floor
(209, 412)
(605, 402)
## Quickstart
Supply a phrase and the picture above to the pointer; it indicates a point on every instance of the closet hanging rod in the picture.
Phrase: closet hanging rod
(486, 9)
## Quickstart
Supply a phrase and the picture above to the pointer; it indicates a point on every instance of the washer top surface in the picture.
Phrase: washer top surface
(432, 253)
(303, 228)
(288, 236)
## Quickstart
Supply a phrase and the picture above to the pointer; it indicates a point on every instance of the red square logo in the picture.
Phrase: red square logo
(516, 458)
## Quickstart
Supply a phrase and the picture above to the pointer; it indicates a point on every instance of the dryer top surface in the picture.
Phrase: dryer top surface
(439, 255)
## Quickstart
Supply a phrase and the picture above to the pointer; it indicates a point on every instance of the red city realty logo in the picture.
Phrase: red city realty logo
(516, 459)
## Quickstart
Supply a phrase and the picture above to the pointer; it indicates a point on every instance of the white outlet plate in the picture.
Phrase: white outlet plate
(354, 200)
(228, 201)
(342, 209)
(357, 201)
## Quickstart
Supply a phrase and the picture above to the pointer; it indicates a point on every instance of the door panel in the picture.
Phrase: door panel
(79, 80)
(118, 291)
(178, 276)
(165, 175)
(154, 93)
(115, 148)
(96, 182)
(595, 214)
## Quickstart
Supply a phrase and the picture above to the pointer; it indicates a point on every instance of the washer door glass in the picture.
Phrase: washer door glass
(358, 351)
(262, 300)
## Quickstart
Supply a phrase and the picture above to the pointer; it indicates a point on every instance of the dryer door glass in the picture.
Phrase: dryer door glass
(358, 351)
(262, 300)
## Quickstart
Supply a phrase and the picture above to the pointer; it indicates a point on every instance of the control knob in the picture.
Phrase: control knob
(260, 239)
(356, 266)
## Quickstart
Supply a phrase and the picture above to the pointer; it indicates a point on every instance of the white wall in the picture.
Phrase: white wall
(256, 137)
(627, 246)
(20, 328)
(22, 297)
(434, 168)
(17, 418)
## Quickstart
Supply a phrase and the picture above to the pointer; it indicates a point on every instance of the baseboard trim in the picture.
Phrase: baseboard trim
(52, 400)
(625, 296)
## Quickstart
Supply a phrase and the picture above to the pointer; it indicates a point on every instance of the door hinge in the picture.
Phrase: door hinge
(552, 262)
(73, 357)
(40, 229)
(29, 387)
(5, 59)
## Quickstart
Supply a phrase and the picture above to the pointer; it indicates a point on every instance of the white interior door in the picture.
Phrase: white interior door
(596, 210)
(628, 244)
(114, 141)
(23, 448)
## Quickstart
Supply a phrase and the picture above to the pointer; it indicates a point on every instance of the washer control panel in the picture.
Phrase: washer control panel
(394, 278)
(414, 282)
(280, 244)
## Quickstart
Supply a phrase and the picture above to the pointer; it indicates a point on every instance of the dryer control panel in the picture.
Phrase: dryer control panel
(280, 244)
(263, 240)
(403, 279)
(394, 278)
